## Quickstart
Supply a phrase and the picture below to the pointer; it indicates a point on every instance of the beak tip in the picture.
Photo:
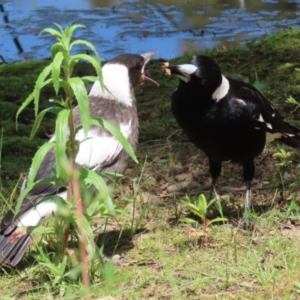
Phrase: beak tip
(149, 55)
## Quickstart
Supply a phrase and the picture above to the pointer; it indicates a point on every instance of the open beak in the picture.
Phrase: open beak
(183, 72)
(147, 56)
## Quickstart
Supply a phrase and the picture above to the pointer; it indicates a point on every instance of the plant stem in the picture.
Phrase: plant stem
(205, 221)
(82, 242)
(75, 190)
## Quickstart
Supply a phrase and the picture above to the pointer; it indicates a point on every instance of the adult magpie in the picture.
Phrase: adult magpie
(99, 150)
(227, 119)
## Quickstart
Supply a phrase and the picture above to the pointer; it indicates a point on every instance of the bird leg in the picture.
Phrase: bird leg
(248, 196)
(215, 167)
(213, 192)
(248, 172)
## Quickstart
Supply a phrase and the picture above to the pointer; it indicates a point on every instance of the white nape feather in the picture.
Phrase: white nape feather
(222, 90)
(42, 211)
(117, 83)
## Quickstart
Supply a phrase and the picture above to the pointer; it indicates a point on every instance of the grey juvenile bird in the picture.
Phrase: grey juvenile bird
(100, 150)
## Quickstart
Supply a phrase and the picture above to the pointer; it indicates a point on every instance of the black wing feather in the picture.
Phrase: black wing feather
(258, 106)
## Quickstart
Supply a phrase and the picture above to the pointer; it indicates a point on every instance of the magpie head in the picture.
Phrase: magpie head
(135, 64)
(202, 71)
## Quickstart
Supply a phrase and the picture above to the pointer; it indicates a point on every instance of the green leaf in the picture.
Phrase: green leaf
(53, 32)
(56, 48)
(88, 79)
(116, 133)
(60, 28)
(37, 160)
(216, 220)
(92, 209)
(188, 220)
(91, 177)
(39, 84)
(86, 43)
(56, 68)
(80, 93)
(69, 32)
(43, 230)
(88, 232)
(26, 102)
(61, 137)
(212, 201)
(202, 205)
(74, 272)
(60, 102)
(194, 209)
(96, 62)
(291, 100)
(40, 117)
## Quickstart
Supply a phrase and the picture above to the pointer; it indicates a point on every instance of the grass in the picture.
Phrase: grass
(156, 256)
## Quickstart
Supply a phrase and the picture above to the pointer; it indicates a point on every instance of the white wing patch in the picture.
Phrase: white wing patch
(35, 215)
(222, 90)
(95, 150)
(273, 113)
(260, 119)
(44, 210)
(240, 101)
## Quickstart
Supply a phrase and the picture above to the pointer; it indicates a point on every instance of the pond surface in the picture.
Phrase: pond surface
(114, 26)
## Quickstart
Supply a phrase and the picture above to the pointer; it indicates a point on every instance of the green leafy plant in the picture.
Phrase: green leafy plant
(78, 181)
(292, 100)
(284, 163)
(200, 210)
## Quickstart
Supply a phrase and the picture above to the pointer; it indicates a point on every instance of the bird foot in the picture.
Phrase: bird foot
(17, 234)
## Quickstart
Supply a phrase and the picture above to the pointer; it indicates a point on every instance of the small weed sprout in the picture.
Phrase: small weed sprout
(200, 210)
(292, 100)
(283, 162)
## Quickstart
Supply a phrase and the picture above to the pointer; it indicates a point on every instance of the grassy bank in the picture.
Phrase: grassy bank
(155, 255)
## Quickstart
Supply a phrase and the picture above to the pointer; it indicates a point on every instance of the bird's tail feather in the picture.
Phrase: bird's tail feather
(11, 252)
(293, 141)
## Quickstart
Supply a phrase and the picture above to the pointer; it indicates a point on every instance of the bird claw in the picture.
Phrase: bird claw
(17, 234)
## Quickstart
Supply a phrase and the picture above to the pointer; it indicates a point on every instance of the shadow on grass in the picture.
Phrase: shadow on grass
(117, 241)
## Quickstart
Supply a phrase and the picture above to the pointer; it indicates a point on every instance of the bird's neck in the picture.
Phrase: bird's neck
(221, 91)
(117, 85)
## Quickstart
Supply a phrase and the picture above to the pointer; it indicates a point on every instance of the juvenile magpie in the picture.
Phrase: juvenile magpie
(99, 150)
(227, 119)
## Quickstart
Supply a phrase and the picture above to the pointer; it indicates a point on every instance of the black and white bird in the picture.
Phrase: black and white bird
(99, 150)
(227, 119)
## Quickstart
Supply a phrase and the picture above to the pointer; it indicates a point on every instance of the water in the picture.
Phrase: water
(137, 26)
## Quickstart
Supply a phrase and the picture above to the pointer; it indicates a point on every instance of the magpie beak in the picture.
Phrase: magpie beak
(148, 56)
(183, 72)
